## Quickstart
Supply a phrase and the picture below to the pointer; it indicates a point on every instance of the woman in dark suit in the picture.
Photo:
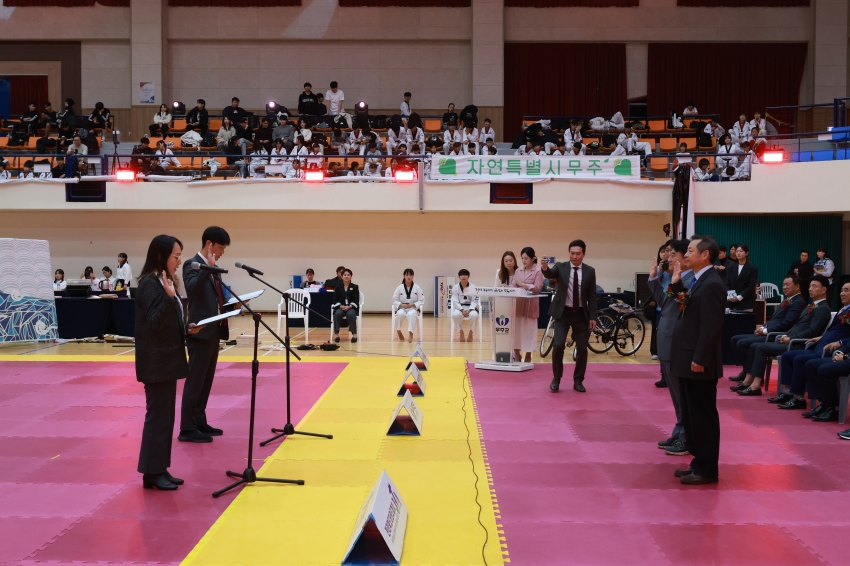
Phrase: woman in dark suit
(346, 304)
(160, 357)
(742, 279)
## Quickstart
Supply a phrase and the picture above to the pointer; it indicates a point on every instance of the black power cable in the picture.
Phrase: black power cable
(472, 462)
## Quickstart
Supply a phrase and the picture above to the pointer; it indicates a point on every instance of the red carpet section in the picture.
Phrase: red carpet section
(580, 481)
(69, 444)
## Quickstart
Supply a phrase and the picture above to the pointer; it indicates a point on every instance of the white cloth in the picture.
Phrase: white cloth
(569, 302)
(485, 133)
(723, 151)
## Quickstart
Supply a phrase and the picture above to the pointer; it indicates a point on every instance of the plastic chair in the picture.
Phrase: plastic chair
(359, 318)
(667, 144)
(658, 164)
(392, 326)
(769, 291)
(658, 125)
(297, 308)
(479, 330)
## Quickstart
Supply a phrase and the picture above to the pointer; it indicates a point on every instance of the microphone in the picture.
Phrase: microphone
(249, 269)
(196, 265)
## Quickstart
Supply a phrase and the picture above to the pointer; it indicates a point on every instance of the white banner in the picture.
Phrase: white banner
(510, 168)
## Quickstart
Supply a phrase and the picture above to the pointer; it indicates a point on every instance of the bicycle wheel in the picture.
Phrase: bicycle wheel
(629, 335)
(601, 339)
(548, 338)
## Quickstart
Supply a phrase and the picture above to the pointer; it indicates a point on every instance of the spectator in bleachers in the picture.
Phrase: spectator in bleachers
(284, 130)
(141, 164)
(161, 121)
(99, 118)
(577, 149)
(573, 133)
(373, 170)
(321, 109)
(741, 130)
(451, 136)
(244, 135)
(304, 130)
(226, 136)
(295, 172)
(485, 149)
(301, 150)
(702, 173)
(4, 174)
(335, 99)
(469, 136)
(29, 121)
(416, 149)
(65, 136)
(493, 151)
(340, 142)
(77, 147)
(525, 149)
(58, 170)
(47, 119)
(536, 149)
(635, 145)
(561, 150)
(59, 283)
(401, 149)
(450, 116)
(307, 101)
(690, 109)
(758, 123)
(373, 155)
(264, 134)
(258, 161)
(315, 162)
(617, 121)
(456, 149)
(714, 129)
(405, 106)
(198, 118)
(728, 151)
(68, 115)
(164, 157)
(280, 156)
(354, 169)
(729, 173)
(415, 133)
(486, 131)
(26, 171)
(396, 135)
(234, 111)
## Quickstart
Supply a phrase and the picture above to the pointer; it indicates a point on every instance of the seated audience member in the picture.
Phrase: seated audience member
(525, 149)
(407, 299)
(346, 304)
(161, 122)
(470, 149)
(470, 136)
(29, 121)
(617, 122)
(690, 109)
(415, 133)
(373, 155)
(741, 281)
(456, 149)
(295, 171)
(821, 381)
(107, 282)
(702, 173)
(741, 130)
(26, 171)
(485, 148)
(464, 304)
(794, 364)
(354, 170)
(4, 174)
(339, 142)
(65, 137)
(309, 279)
(142, 164)
(486, 131)
(300, 151)
(635, 145)
(404, 108)
(68, 115)
(372, 170)
(99, 118)
(811, 323)
(263, 134)
(450, 116)
(683, 156)
(198, 118)
(234, 112)
(165, 157)
(245, 132)
(279, 156)
(307, 101)
(258, 161)
(48, 119)
(58, 170)
(573, 133)
(714, 129)
(396, 134)
(536, 149)
(727, 152)
(782, 320)
(284, 130)
(59, 283)
(577, 149)
(304, 130)
(758, 123)
(226, 137)
(729, 174)
(77, 147)
(313, 161)
(415, 149)
(450, 137)
(335, 100)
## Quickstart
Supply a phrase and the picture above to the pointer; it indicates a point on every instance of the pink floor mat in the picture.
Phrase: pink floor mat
(580, 481)
(69, 444)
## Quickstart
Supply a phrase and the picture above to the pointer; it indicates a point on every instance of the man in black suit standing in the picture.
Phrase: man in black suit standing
(696, 357)
(206, 299)
(574, 306)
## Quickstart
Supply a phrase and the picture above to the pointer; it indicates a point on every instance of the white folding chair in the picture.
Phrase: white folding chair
(769, 293)
(418, 314)
(479, 330)
(359, 319)
(297, 307)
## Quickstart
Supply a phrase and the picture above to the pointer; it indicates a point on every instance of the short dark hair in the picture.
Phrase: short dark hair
(201, 101)
(144, 141)
(577, 145)
(49, 104)
(487, 120)
(308, 84)
(795, 279)
(334, 84)
(707, 243)
(579, 243)
(310, 271)
(123, 256)
(78, 136)
(722, 248)
(234, 99)
(822, 280)
(29, 163)
(679, 246)
(407, 94)
(703, 163)
(348, 271)
(107, 269)
(216, 235)
(805, 252)
(463, 272)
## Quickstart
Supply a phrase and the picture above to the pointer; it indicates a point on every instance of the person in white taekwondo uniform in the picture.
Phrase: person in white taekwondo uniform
(280, 156)
(450, 137)
(396, 135)
(486, 132)
(405, 106)
(407, 299)
(741, 130)
(465, 304)
(124, 271)
(469, 136)
(726, 152)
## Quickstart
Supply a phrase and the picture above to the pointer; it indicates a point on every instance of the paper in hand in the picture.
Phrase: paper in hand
(219, 317)
(245, 297)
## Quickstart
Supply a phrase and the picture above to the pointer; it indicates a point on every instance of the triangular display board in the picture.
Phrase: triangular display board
(417, 388)
(422, 364)
(378, 536)
(410, 424)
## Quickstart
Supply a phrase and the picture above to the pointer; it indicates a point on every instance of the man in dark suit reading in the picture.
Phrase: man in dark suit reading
(574, 307)
(696, 357)
(206, 299)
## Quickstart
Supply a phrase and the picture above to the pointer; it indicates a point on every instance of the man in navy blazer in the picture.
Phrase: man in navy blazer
(821, 377)
(793, 364)
(783, 319)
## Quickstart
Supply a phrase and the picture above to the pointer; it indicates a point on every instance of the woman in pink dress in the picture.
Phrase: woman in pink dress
(530, 278)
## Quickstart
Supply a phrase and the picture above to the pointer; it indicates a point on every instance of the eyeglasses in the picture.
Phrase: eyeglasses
(179, 257)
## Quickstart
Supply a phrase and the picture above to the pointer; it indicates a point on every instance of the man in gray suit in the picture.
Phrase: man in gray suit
(675, 445)
(574, 306)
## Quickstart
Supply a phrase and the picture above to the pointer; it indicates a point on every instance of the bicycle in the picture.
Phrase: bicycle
(618, 326)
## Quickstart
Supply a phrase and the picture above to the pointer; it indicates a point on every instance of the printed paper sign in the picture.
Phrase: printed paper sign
(146, 93)
(378, 536)
(418, 379)
(505, 168)
(410, 425)
(499, 292)
(418, 353)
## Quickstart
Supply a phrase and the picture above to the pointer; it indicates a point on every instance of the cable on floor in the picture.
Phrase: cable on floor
(472, 462)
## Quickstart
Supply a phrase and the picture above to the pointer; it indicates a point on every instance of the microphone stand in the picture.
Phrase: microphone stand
(288, 429)
(249, 476)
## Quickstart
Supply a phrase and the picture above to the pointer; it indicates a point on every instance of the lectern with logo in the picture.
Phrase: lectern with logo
(503, 300)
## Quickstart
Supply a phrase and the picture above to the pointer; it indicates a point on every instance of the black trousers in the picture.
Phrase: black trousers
(158, 432)
(761, 353)
(158, 129)
(350, 316)
(577, 321)
(702, 424)
(203, 355)
(744, 352)
(822, 379)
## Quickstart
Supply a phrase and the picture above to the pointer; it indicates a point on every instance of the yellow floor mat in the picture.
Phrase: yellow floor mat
(311, 524)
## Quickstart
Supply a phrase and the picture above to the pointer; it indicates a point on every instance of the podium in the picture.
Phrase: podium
(502, 311)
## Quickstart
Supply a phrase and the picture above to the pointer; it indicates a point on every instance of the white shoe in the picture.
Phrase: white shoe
(654, 357)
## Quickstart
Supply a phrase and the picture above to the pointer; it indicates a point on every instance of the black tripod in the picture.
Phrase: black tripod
(288, 429)
(249, 475)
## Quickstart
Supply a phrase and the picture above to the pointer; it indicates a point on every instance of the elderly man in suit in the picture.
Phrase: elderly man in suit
(206, 299)
(697, 359)
(574, 307)
(670, 309)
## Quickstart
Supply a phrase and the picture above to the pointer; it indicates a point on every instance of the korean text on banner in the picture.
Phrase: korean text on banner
(501, 168)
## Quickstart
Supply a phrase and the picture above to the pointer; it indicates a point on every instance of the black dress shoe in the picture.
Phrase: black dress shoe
(682, 473)
(740, 377)
(750, 392)
(193, 436)
(828, 416)
(207, 429)
(579, 387)
(794, 403)
(739, 387)
(783, 397)
(694, 479)
(814, 412)
(661, 383)
(665, 444)
(159, 481)
(555, 385)
(172, 479)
